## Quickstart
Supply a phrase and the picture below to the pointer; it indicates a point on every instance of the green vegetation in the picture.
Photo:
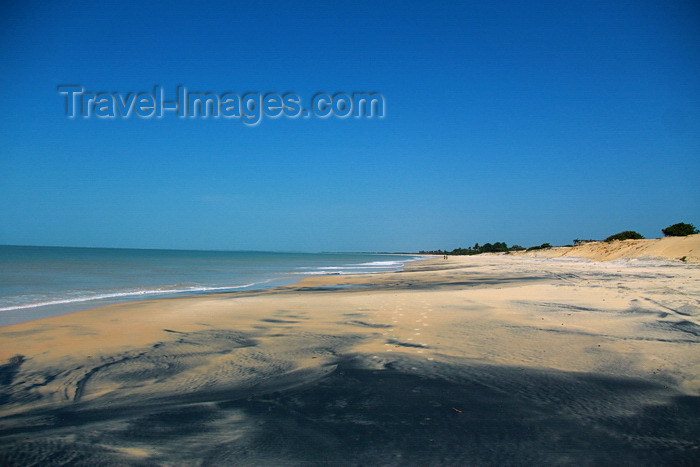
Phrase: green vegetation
(626, 235)
(679, 230)
(544, 246)
(498, 247)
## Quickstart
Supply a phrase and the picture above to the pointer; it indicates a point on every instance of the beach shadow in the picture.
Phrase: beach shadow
(482, 416)
(408, 412)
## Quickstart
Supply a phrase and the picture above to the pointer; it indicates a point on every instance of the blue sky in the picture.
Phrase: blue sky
(523, 122)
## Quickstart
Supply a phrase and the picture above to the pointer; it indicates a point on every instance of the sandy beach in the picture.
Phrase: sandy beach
(482, 360)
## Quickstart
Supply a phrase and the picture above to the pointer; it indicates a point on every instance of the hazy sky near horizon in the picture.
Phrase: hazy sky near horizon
(523, 122)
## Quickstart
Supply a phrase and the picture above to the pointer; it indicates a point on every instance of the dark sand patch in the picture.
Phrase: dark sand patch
(369, 325)
(405, 344)
(10, 369)
(687, 328)
(355, 315)
(280, 321)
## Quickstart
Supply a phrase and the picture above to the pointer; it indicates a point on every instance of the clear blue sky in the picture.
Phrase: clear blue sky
(523, 122)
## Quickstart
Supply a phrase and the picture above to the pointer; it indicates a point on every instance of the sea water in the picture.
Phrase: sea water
(37, 282)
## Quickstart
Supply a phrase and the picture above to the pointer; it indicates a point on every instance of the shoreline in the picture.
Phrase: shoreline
(311, 283)
(440, 363)
(54, 302)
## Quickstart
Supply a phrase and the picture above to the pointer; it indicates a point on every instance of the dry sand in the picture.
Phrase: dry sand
(474, 360)
(686, 249)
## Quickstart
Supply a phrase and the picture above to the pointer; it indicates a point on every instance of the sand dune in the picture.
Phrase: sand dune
(673, 248)
(474, 360)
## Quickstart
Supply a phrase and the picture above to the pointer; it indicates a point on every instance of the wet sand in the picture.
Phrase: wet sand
(471, 361)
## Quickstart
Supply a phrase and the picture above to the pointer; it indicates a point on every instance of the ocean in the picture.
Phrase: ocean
(38, 282)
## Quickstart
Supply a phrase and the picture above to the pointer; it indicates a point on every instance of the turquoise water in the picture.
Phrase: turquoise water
(37, 282)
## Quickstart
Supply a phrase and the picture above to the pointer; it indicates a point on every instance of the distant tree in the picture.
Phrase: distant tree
(432, 252)
(626, 235)
(578, 241)
(500, 247)
(497, 247)
(679, 230)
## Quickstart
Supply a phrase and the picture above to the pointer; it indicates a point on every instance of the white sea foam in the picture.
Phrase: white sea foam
(126, 294)
(370, 267)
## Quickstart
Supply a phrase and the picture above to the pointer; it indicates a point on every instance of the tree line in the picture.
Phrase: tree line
(676, 230)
